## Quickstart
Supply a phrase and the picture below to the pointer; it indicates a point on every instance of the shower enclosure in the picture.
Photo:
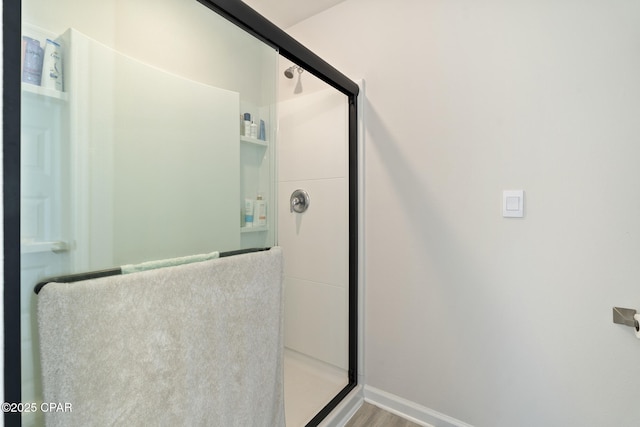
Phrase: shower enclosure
(173, 127)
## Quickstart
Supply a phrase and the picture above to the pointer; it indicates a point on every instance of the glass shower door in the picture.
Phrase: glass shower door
(140, 155)
(312, 156)
(144, 155)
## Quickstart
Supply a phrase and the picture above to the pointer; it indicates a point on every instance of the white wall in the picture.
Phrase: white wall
(495, 321)
(184, 133)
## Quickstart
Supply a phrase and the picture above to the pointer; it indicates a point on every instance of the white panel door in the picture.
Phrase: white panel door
(43, 226)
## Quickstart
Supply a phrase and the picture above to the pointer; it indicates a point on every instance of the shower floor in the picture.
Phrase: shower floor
(309, 385)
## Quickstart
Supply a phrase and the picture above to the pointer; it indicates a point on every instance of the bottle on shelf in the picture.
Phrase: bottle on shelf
(260, 211)
(247, 124)
(248, 213)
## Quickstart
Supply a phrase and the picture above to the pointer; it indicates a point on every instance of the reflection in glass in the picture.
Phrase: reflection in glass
(144, 155)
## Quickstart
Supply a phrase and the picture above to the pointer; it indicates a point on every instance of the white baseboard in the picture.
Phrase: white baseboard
(409, 410)
(345, 410)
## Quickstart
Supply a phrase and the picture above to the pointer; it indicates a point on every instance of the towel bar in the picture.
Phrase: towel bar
(70, 278)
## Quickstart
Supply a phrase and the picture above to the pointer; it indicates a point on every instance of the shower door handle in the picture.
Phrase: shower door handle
(299, 201)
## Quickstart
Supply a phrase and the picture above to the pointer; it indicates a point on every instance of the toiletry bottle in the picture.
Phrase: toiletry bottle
(262, 133)
(32, 67)
(247, 124)
(52, 66)
(260, 211)
(248, 212)
(254, 130)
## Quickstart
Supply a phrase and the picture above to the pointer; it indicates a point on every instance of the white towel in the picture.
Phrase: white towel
(192, 345)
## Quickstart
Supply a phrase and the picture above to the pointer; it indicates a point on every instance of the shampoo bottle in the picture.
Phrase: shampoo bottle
(52, 66)
(248, 213)
(254, 130)
(32, 66)
(260, 212)
(247, 124)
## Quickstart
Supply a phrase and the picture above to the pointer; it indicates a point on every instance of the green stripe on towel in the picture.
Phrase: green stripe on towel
(172, 262)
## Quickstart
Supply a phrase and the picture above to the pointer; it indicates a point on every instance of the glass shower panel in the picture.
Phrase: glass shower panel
(313, 156)
(142, 154)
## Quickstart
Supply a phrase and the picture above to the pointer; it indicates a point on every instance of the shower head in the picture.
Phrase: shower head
(288, 73)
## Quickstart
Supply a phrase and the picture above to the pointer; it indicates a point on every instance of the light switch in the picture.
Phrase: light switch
(513, 204)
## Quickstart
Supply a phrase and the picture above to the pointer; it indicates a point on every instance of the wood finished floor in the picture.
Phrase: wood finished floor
(372, 416)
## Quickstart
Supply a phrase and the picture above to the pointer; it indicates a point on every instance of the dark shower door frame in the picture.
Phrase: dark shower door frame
(252, 22)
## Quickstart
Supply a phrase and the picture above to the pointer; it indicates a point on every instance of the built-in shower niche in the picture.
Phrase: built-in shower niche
(257, 176)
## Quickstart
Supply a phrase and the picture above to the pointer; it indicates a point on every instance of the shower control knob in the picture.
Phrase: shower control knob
(299, 201)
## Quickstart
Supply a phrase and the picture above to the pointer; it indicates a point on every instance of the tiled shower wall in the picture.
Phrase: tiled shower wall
(312, 155)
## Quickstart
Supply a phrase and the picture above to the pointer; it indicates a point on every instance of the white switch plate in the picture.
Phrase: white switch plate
(513, 203)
